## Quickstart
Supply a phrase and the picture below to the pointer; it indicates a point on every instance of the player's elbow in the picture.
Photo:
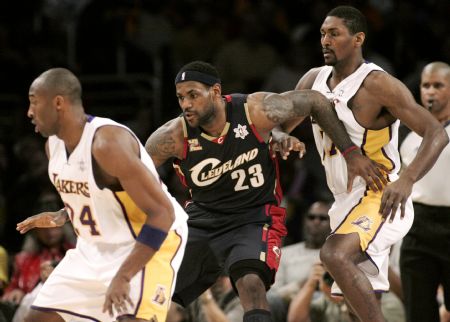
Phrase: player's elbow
(164, 215)
(319, 102)
(441, 138)
(169, 214)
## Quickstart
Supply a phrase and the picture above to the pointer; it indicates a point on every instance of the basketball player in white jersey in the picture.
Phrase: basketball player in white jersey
(370, 103)
(131, 232)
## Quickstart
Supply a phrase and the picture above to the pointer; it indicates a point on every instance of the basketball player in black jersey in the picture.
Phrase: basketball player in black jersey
(221, 153)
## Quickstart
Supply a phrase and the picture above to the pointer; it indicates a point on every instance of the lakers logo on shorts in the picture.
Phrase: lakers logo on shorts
(160, 295)
(363, 222)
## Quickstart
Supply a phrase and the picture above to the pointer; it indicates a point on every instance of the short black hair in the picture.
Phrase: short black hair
(202, 67)
(62, 81)
(354, 20)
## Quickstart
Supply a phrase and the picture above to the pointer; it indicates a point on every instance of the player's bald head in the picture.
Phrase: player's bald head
(60, 81)
(438, 67)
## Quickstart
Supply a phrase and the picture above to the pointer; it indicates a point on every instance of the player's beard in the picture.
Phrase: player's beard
(208, 116)
(330, 61)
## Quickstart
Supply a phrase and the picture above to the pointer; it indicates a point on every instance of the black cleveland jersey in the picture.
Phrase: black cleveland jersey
(232, 172)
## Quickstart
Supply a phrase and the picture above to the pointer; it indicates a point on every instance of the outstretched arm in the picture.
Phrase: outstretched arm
(269, 109)
(46, 219)
(116, 152)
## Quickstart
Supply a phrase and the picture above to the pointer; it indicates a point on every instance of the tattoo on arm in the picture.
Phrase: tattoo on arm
(161, 145)
(277, 108)
(322, 110)
(325, 115)
(280, 108)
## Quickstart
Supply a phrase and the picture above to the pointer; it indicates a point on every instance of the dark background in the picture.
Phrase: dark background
(127, 53)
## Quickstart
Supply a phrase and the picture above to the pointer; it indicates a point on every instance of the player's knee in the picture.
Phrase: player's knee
(331, 257)
(251, 283)
(38, 316)
(31, 316)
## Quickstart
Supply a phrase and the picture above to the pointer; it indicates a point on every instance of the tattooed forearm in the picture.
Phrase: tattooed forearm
(277, 108)
(288, 106)
(325, 115)
(322, 110)
(161, 145)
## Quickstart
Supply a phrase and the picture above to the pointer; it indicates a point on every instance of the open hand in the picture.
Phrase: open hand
(42, 220)
(394, 195)
(372, 172)
(117, 296)
(284, 144)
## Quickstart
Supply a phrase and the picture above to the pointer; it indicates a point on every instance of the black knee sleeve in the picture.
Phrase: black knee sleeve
(251, 266)
(257, 315)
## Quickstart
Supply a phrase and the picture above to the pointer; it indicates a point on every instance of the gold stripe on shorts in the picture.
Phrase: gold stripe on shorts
(364, 219)
(159, 278)
(373, 143)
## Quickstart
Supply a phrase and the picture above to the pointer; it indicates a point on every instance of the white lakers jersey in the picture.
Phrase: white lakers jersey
(379, 145)
(98, 215)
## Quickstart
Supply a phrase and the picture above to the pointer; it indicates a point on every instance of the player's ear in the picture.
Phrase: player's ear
(359, 39)
(216, 90)
(58, 101)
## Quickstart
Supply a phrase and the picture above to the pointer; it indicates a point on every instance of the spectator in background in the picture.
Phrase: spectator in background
(297, 59)
(298, 259)
(45, 269)
(424, 256)
(244, 62)
(3, 269)
(39, 246)
(315, 303)
(220, 303)
(4, 169)
(31, 163)
(200, 36)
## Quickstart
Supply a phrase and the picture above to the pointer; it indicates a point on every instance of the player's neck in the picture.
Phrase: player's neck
(444, 116)
(345, 68)
(72, 130)
(216, 126)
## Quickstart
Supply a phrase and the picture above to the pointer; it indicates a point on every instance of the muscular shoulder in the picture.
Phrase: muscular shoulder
(114, 150)
(111, 136)
(385, 88)
(307, 80)
(166, 142)
(112, 144)
(380, 97)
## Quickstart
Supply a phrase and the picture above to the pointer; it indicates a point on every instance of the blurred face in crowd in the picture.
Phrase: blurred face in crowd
(50, 237)
(317, 224)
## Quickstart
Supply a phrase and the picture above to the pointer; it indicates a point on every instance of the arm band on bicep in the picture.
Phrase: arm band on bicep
(151, 236)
